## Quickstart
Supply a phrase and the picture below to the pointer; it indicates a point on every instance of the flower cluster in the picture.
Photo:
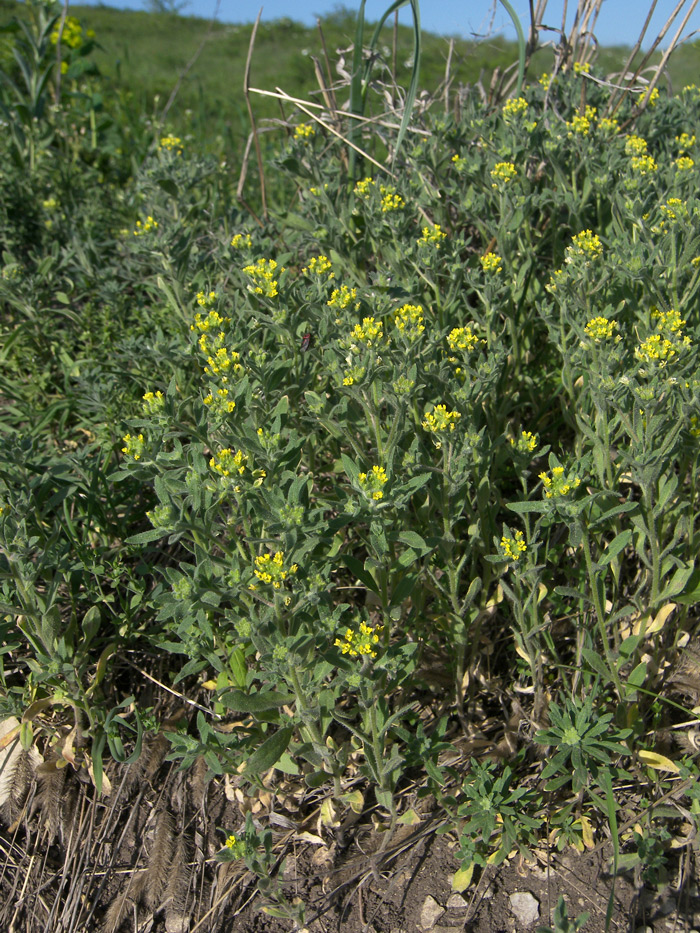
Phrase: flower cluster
(368, 332)
(360, 643)
(133, 446)
(601, 328)
(643, 165)
(270, 569)
(409, 320)
(236, 846)
(72, 34)
(685, 142)
(513, 548)
(432, 236)
(219, 402)
(658, 349)
(440, 419)
(580, 124)
(635, 146)
(153, 403)
(390, 200)
(684, 164)
(584, 245)
(462, 338)
(491, 263)
(262, 274)
(242, 241)
(514, 108)
(304, 131)
(364, 188)
(371, 483)
(171, 144)
(353, 374)
(343, 297)
(319, 266)
(206, 300)
(558, 484)
(502, 173)
(668, 320)
(227, 462)
(147, 226)
(526, 444)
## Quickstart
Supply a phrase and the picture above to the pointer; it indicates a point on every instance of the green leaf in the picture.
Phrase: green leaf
(522, 508)
(414, 540)
(619, 543)
(255, 702)
(269, 753)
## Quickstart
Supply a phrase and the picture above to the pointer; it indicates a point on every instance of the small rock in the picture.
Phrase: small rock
(644, 930)
(456, 902)
(430, 913)
(525, 907)
(489, 891)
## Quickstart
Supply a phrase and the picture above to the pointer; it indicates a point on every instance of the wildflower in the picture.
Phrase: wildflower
(368, 332)
(558, 484)
(635, 146)
(685, 142)
(514, 108)
(236, 846)
(153, 402)
(462, 338)
(503, 172)
(694, 428)
(459, 161)
(372, 483)
(133, 446)
(224, 362)
(608, 125)
(219, 403)
(580, 125)
(668, 320)
(269, 568)
(513, 548)
(363, 189)
(643, 165)
(440, 419)
(432, 236)
(353, 375)
(316, 192)
(657, 349)
(526, 444)
(146, 227)
(171, 144)
(545, 80)
(409, 320)
(262, 274)
(600, 329)
(226, 462)
(210, 322)
(161, 516)
(390, 200)
(304, 131)
(319, 265)
(585, 244)
(205, 300)
(684, 164)
(582, 68)
(361, 642)
(72, 35)
(491, 262)
(343, 297)
(653, 97)
(673, 210)
(403, 385)
(242, 241)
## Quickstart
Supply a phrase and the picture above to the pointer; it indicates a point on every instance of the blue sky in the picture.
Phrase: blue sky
(620, 21)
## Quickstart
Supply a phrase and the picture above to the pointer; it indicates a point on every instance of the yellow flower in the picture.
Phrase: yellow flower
(581, 123)
(369, 332)
(319, 265)
(360, 643)
(514, 108)
(343, 297)
(409, 320)
(432, 236)
(513, 548)
(171, 144)
(304, 131)
(153, 402)
(241, 241)
(133, 446)
(600, 328)
(503, 172)
(262, 274)
(684, 164)
(440, 419)
(363, 189)
(526, 443)
(491, 262)
(635, 145)
(462, 338)
(390, 200)
(146, 227)
(558, 484)
(270, 569)
(372, 483)
(227, 462)
(585, 244)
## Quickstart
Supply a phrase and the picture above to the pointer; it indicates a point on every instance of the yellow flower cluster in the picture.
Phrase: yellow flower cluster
(643, 165)
(219, 402)
(673, 210)
(242, 241)
(656, 349)
(353, 375)
(319, 265)
(526, 443)
(133, 446)
(236, 845)
(635, 146)
(304, 131)
(585, 244)
(171, 144)
(72, 34)
(514, 108)
(558, 484)
(491, 262)
(600, 329)
(409, 320)
(668, 320)
(153, 402)
(513, 548)
(580, 125)
(440, 419)
(206, 299)
(343, 297)
(372, 483)
(462, 338)
(223, 362)
(360, 643)
(262, 274)
(363, 189)
(390, 200)
(545, 80)
(368, 332)
(685, 142)
(269, 568)
(147, 226)
(211, 321)
(459, 161)
(227, 462)
(608, 125)
(581, 68)
(502, 173)
(684, 164)
(432, 236)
